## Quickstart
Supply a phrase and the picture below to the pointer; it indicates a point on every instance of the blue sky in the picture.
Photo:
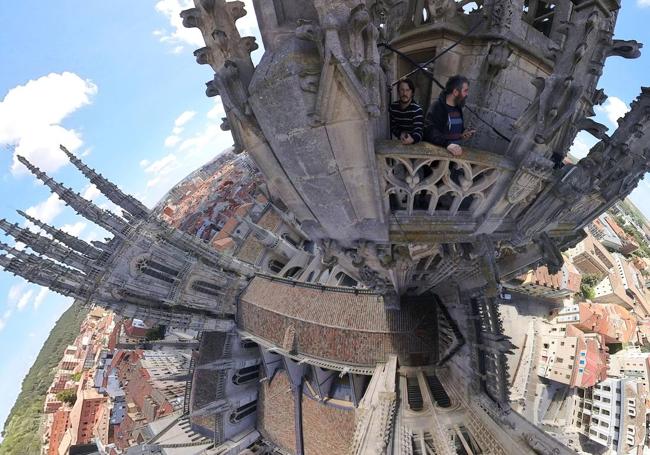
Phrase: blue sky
(116, 82)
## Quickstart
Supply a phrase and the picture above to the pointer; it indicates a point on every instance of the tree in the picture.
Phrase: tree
(587, 285)
(156, 333)
(68, 396)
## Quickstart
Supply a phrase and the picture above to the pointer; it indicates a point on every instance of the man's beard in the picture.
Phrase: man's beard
(460, 102)
(405, 100)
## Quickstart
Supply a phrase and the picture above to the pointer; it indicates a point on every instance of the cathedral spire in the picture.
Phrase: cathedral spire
(44, 272)
(71, 241)
(109, 189)
(45, 246)
(83, 207)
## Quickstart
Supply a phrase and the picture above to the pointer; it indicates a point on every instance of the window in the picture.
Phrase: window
(275, 266)
(207, 288)
(293, 272)
(289, 239)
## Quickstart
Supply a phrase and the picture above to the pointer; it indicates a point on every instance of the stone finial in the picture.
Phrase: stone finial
(131, 205)
(69, 240)
(85, 208)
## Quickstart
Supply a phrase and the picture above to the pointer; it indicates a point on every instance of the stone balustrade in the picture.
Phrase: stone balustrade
(424, 185)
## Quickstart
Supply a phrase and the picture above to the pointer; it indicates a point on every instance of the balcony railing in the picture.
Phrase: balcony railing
(426, 180)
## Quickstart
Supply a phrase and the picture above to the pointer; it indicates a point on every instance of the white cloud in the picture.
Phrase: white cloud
(643, 3)
(184, 118)
(582, 144)
(15, 291)
(144, 163)
(613, 109)
(111, 207)
(74, 229)
(24, 299)
(91, 193)
(217, 112)
(161, 168)
(47, 210)
(19, 295)
(31, 116)
(40, 298)
(178, 36)
(92, 235)
(212, 134)
(171, 141)
(3, 319)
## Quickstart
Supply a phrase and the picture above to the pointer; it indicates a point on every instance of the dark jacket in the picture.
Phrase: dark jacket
(436, 124)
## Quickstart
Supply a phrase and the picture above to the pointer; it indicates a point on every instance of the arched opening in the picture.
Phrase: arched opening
(207, 288)
(275, 266)
(293, 272)
(248, 344)
(421, 200)
(246, 374)
(539, 14)
(343, 279)
(156, 270)
(414, 394)
(238, 414)
(438, 392)
(290, 240)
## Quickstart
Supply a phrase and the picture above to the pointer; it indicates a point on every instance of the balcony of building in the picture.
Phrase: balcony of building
(430, 195)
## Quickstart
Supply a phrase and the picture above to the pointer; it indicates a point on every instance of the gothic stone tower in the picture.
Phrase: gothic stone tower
(377, 366)
(358, 308)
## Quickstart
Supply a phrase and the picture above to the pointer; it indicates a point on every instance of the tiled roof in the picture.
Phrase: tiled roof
(338, 326)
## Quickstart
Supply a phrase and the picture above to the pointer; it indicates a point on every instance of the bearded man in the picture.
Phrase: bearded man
(445, 124)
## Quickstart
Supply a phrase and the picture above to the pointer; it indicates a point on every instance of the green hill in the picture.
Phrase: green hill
(22, 428)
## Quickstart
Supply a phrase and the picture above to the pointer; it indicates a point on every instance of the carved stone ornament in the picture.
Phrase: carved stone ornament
(534, 171)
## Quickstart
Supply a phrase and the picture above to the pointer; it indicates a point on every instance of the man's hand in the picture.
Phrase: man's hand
(406, 139)
(455, 149)
(468, 134)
